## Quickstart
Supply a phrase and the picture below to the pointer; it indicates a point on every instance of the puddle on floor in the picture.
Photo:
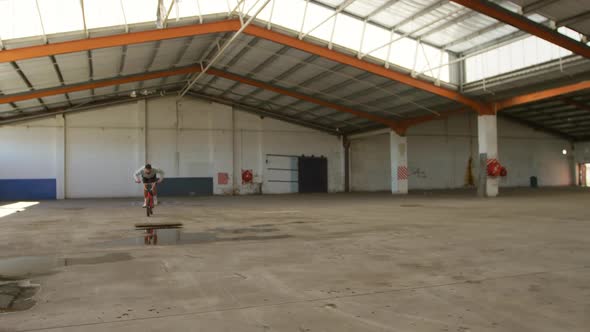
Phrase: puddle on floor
(176, 236)
(17, 296)
(16, 290)
(17, 268)
(245, 230)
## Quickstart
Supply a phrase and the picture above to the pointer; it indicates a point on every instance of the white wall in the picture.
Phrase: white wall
(102, 151)
(28, 151)
(193, 138)
(582, 152)
(439, 151)
(201, 139)
(370, 163)
(212, 138)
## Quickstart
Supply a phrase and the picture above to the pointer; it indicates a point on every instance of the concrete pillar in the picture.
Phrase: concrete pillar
(60, 156)
(399, 163)
(571, 157)
(346, 162)
(142, 147)
(487, 134)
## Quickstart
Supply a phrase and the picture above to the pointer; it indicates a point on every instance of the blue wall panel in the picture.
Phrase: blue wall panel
(186, 187)
(27, 189)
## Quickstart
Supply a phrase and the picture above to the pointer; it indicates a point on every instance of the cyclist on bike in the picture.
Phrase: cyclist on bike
(148, 174)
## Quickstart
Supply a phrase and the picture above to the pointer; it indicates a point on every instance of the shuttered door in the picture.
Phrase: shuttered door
(313, 174)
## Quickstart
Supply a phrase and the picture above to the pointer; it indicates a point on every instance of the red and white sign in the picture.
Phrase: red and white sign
(222, 178)
(402, 173)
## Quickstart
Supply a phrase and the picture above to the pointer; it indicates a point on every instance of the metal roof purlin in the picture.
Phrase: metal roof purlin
(117, 40)
(364, 65)
(394, 125)
(541, 95)
(535, 6)
(381, 8)
(229, 26)
(195, 69)
(522, 23)
(243, 27)
(576, 104)
(336, 12)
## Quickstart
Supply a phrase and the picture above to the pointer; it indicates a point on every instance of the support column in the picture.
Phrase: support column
(142, 146)
(346, 163)
(487, 134)
(571, 157)
(399, 163)
(60, 156)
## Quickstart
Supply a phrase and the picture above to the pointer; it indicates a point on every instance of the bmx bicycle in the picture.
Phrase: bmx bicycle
(149, 204)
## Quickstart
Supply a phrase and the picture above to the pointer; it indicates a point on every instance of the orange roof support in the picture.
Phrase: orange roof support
(188, 70)
(503, 15)
(95, 85)
(228, 26)
(364, 65)
(390, 123)
(540, 95)
(117, 40)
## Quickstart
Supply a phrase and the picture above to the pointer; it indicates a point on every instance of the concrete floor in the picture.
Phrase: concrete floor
(442, 261)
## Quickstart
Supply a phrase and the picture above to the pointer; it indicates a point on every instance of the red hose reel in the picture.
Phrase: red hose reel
(247, 176)
(495, 169)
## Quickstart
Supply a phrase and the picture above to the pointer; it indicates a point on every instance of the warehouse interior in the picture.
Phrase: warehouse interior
(329, 165)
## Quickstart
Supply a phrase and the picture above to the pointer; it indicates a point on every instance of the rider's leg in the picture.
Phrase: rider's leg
(155, 192)
(145, 194)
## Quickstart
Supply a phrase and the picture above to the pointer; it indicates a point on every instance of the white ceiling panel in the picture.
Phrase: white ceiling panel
(106, 62)
(168, 53)
(40, 72)
(138, 57)
(10, 81)
(74, 67)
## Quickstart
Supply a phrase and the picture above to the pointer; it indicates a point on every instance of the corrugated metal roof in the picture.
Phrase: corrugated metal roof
(572, 13)
(439, 23)
(567, 115)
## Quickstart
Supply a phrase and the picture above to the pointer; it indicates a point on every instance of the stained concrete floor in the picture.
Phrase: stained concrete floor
(442, 261)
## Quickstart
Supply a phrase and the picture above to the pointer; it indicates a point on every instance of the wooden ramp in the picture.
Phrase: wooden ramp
(159, 225)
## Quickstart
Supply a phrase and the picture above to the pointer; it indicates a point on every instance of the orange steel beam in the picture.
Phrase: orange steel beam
(503, 15)
(194, 69)
(390, 123)
(96, 84)
(228, 26)
(117, 40)
(364, 65)
(540, 95)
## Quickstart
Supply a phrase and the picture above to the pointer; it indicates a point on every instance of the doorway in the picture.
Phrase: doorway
(584, 175)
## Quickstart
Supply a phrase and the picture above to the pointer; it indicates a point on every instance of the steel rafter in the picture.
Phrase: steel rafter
(503, 15)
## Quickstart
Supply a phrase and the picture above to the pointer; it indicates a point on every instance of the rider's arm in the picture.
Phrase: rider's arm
(137, 174)
(160, 173)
